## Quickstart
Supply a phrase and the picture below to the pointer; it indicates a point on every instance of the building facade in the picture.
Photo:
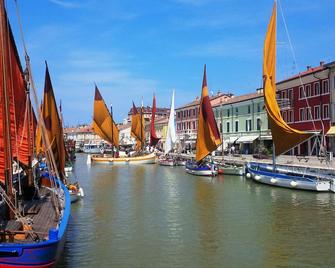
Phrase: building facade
(305, 103)
(243, 123)
(187, 119)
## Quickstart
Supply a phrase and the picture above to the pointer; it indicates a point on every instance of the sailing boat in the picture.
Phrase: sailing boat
(33, 218)
(208, 136)
(153, 137)
(284, 137)
(105, 127)
(171, 137)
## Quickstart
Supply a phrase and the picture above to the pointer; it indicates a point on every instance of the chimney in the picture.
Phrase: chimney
(322, 63)
(309, 67)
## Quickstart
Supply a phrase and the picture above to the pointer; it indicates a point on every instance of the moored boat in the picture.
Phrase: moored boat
(202, 169)
(230, 169)
(263, 174)
(208, 137)
(170, 139)
(284, 137)
(34, 216)
(141, 159)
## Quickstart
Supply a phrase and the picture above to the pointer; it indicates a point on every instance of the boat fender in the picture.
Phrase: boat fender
(293, 183)
(257, 177)
(81, 192)
(248, 175)
(273, 180)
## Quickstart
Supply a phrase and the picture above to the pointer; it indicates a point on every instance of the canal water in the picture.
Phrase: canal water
(155, 216)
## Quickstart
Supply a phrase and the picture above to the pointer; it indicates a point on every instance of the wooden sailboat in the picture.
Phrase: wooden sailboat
(208, 136)
(105, 127)
(284, 137)
(33, 218)
(171, 137)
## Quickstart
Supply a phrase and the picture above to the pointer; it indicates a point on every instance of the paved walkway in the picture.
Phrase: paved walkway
(308, 161)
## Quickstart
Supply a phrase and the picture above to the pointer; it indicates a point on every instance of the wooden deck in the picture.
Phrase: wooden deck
(39, 212)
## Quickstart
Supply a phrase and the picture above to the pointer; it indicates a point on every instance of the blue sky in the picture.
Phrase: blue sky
(132, 48)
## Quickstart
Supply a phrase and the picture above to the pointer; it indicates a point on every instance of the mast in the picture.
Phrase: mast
(111, 112)
(29, 137)
(141, 117)
(8, 159)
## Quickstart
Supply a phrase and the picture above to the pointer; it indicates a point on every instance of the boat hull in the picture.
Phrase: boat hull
(166, 162)
(134, 160)
(289, 181)
(204, 170)
(231, 170)
(40, 254)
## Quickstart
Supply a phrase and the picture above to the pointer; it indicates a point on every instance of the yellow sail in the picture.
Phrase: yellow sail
(208, 138)
(54, 129)
(137, 128)
(103, 123)
(284, 137)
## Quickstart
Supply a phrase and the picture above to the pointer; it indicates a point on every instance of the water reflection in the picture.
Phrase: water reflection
(153, 216)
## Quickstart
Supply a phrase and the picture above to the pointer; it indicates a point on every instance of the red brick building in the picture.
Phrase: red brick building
(305, 103)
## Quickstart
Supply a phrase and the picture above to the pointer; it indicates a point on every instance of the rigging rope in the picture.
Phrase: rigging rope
(49, 155)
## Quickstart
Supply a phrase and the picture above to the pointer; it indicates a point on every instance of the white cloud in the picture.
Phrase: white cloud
(68, 4)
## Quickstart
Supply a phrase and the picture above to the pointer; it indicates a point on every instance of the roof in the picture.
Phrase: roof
(80, 129)
(310, 70)
(241, 98)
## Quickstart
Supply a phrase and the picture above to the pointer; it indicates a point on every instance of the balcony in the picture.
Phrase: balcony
(284, 104)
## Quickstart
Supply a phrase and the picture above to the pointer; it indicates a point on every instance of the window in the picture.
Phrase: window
(290, 116)
(228, 113)
(308, 90)
(236, 126)
(308, 113)
(249, 109)
(290, 94)
(178, 114)
(334, 82)
(284, 116)
(221, 127)
(193, 124)
(259, 124)
(317, 112)
(302, 114)
(193, 112)
(325, 111)
(301, 92)
(317, 88)
(248, 125)
(283, 94)
(228, 127)
(236, 111)
(325, 86)
(258, 107)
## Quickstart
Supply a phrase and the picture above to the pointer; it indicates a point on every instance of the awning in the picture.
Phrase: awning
(265, 137)
(331, 131)
(247, 139)
(230, 139)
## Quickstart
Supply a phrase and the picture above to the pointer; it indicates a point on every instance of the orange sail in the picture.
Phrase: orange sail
(14, 122)
(103, 123)
(137, 127)
(208, 138)
(284, 137)
(153, 136)
(53, 125)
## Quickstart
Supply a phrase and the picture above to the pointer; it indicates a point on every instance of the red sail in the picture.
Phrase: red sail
(13, 102)
(153, 136)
